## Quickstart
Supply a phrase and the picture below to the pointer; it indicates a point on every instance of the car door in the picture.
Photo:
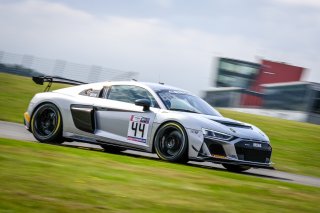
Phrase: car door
(120, 121)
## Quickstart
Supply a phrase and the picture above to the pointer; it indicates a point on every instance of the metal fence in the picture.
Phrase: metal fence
(16, 63)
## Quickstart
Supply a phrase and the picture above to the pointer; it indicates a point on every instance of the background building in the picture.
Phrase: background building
(294, 96)
(224, 96)
(236, 73)
(271, 72)
(250, 76)
(273, 86)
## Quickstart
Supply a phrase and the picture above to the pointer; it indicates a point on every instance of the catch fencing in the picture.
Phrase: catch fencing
(29, 65)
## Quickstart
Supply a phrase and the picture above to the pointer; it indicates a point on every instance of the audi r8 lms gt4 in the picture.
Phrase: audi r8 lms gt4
(171, 122)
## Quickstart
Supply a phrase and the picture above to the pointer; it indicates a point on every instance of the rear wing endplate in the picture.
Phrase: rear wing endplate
(54, 79)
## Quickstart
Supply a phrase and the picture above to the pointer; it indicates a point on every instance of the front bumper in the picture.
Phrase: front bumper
(240, 151)
(237, 162)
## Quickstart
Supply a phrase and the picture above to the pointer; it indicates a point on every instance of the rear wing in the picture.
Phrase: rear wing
(54, 79)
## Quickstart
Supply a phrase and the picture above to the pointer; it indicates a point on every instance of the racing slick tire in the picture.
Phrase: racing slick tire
(235, 168)
(46, 124)
(171, 143)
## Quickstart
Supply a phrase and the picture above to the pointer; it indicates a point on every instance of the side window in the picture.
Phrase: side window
(91, 93)
(130, 94)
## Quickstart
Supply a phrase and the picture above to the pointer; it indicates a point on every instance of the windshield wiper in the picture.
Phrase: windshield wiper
(183, 110)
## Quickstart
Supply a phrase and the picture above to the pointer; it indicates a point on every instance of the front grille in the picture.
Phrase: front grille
(214, 147)
(253, 151)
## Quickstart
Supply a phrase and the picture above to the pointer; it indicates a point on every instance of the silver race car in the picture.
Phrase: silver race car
(149, 117)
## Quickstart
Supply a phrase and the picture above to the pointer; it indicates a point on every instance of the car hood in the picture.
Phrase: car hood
(231, 127)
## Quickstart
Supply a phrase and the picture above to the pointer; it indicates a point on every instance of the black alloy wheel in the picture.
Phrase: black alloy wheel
(171, 143)
(46, 124)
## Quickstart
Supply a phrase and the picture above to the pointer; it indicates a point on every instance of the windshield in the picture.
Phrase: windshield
(181, 101)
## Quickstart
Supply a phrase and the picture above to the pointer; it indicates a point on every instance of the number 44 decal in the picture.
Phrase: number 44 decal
(134, 127)
(138, 128)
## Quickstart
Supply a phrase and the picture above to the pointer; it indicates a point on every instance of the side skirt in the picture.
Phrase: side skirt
(76, 138)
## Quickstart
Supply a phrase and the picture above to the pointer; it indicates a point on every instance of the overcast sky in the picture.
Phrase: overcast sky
(172, 41)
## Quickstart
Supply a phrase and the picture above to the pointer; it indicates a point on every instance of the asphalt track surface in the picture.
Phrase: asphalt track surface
(18, 132)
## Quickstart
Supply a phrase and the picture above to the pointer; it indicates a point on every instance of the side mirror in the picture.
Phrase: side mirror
(143, 102)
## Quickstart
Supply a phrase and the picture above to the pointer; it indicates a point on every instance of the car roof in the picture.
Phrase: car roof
(153, 86)
(156, 87)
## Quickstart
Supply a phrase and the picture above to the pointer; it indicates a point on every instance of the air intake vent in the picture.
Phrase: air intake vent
(214, 147)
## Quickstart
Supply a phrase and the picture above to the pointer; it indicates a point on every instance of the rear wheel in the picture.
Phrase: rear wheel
(235, 168)
(46, 124)
(171, 143)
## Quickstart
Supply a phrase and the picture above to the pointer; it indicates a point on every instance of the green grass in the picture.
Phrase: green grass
(16, 93)
(296, 146)
(47, 178)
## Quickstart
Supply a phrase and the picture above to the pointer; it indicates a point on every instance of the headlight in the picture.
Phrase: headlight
(208, 133)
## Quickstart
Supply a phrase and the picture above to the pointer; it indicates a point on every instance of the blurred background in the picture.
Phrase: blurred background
(259, 57)
(266, 88)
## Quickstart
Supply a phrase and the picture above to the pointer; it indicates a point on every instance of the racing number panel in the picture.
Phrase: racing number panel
(83, 117)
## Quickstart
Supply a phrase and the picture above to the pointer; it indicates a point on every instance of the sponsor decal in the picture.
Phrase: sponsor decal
(257, 145)
(138, 128)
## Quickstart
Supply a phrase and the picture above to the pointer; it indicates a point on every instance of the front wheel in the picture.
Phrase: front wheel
(46, 124)
(235, 168)
(171, 143)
